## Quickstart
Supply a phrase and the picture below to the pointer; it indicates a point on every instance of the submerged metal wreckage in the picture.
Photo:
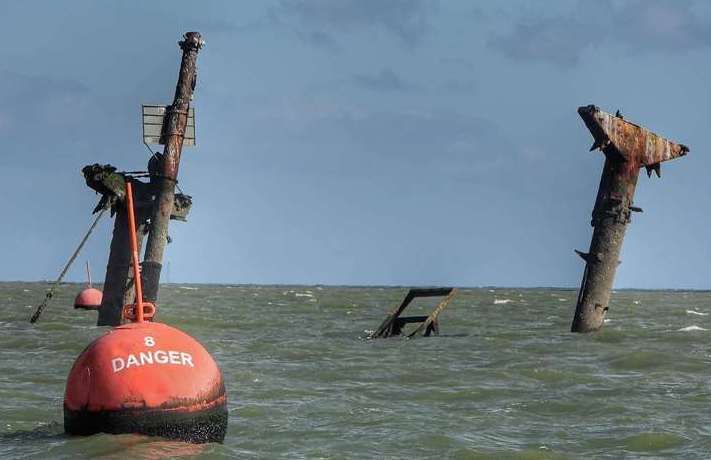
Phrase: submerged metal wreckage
(394, 323)
(104, 179)
(156, 200)
(143, 376)
(627, 147)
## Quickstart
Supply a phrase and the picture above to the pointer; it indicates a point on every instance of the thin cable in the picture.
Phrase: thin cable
(50, 293)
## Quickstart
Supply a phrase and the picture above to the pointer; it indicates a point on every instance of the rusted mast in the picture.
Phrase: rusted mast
(627, 147)
(176, 121)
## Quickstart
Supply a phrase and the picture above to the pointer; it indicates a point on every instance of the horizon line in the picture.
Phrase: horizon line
(366, 286)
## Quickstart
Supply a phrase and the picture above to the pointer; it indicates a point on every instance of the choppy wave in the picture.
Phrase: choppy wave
(304, 382)
(691, 328)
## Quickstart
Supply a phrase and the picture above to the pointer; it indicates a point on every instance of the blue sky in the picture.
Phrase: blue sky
(361, 141)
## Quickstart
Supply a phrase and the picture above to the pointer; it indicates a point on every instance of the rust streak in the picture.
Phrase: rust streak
(636, 144)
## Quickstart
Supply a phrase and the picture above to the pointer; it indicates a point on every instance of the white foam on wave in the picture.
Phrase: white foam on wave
(501, 301)
(694, 312)
(303, 294)
(691, 328)
(188, 288)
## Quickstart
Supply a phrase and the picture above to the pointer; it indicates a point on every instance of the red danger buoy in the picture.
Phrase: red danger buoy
(145, 377)
(88, 299)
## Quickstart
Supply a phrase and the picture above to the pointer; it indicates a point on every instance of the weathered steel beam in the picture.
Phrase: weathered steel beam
(431, 324)
(627, 147)
(176, 122)
(393, 323)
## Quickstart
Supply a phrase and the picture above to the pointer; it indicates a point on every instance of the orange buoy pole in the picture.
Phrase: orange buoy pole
(134, 252)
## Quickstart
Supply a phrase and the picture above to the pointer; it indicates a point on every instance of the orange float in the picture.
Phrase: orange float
(145, 377)
(89, 298)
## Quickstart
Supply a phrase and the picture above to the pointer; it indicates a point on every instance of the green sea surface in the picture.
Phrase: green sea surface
(505, 379)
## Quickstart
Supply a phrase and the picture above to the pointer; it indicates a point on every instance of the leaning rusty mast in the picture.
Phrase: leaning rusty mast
(627, 147)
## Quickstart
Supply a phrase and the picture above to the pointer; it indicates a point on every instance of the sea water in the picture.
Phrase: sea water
(505, 379)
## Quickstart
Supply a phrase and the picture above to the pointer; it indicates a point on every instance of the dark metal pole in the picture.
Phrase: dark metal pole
(611, 215)
(176, 121)
(119, 275)
(117, 270)
(627, 147)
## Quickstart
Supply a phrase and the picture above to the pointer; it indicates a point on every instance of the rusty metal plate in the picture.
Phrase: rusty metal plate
(154, 119)
(635, 143)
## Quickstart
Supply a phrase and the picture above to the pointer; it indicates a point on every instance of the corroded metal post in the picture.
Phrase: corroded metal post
(627, 147)
(104, 179)
(176, 121)
(118, 280)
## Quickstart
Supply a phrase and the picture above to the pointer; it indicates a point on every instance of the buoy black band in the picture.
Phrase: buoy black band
(209, 425)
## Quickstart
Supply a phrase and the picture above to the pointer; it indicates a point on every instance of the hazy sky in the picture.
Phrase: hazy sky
(361, 141)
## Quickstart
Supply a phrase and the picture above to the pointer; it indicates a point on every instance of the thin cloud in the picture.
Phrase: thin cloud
(636, 27)
(325, 20)
(460, 86)
(39, 103)
(384, 81)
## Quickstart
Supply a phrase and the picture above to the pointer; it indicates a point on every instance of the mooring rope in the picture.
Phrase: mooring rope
(50, 293)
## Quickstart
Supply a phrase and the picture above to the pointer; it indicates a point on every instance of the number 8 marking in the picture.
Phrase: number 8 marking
(149, 341)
